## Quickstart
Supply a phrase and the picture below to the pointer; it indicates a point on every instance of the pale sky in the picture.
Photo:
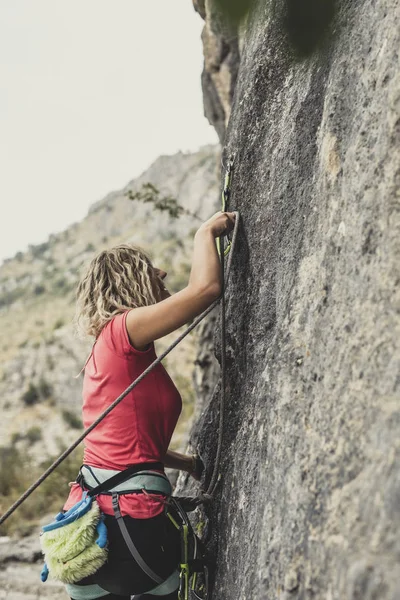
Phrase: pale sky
(91, 92)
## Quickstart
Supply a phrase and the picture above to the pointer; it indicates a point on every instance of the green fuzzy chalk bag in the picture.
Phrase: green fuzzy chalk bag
(75, 543)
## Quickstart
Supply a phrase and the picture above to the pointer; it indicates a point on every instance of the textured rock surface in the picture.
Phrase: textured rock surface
(20, 564)
(221, 61)
(309, 503)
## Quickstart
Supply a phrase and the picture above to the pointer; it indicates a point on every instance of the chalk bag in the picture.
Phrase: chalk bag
(75, 543)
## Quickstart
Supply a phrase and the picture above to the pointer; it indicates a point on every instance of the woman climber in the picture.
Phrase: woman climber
(122, 301)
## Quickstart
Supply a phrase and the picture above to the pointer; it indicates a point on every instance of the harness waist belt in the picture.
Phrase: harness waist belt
(149, 481)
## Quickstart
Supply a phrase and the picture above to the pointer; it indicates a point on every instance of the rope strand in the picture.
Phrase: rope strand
(214, 477)
(226, 192)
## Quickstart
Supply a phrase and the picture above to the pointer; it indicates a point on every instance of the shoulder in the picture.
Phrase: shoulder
(146, 324)
(115, 335)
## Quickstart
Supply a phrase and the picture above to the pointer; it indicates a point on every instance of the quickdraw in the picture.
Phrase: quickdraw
(193, 575)
(225, 195)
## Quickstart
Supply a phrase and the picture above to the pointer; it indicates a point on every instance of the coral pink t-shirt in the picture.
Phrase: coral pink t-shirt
(138, 429)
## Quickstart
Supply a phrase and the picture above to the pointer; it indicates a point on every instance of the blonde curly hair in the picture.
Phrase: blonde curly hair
(116, 280)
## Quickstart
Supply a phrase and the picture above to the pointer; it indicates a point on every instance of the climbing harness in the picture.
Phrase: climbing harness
(143, 478)
(71, 549)
(192, 565)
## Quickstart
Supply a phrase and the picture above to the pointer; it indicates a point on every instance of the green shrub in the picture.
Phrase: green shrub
(11, 465)
(17, 473)
(60, 283)
(44, 388)
(34, 434)
(72, 419)
(150, 194)
(39, 289)
(16, 437)
(31, 396)
(59, 323)
(39, 249)
(7, 298)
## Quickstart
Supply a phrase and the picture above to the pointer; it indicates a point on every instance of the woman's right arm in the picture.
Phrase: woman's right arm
(149, 323)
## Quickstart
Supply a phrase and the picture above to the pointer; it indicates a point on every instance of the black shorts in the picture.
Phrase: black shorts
(158, 542)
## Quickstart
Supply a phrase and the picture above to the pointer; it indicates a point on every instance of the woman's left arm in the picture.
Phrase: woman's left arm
(182, 462)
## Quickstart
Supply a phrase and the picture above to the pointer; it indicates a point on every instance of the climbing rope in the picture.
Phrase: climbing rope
(74, 445)
(215, 474)
(190, 503)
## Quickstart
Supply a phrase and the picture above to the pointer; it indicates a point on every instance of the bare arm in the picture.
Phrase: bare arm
(184, 462)
(149, 323)
(175, 460)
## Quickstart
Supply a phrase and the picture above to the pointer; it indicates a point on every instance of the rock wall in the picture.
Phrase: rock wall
(221, 62)
(309, 503)
(20, 565)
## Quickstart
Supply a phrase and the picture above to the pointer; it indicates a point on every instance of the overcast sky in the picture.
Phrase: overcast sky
(91, 92)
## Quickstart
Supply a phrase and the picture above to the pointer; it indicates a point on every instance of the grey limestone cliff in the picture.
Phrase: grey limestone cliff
(308, 506)
(221, 62)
